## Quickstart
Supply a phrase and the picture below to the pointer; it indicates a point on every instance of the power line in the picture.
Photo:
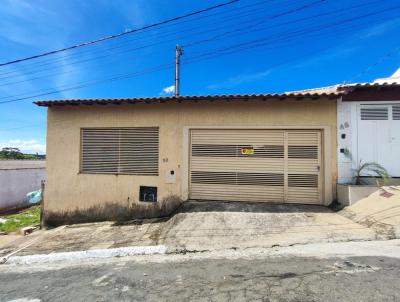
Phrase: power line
(217, 52)
(312, 17)
(94, 82)
(124, 51)
(240, 30)
(285, 62)
(218, 37)
(288, 12)
(317, 28)
(204, 56)
(121, 34)
(242, 12)
(60, 59)
(253, 22)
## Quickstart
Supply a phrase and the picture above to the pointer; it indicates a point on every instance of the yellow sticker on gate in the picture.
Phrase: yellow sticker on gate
(247, 151)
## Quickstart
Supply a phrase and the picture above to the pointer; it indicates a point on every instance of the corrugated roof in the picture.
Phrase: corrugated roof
(180, 99)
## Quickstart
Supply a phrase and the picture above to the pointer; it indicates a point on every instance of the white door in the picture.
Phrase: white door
(379, 136)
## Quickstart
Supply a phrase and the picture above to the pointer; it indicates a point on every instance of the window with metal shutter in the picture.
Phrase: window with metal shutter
(374, 113)
(120, 150)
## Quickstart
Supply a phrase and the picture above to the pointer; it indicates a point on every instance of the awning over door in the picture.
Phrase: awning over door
(256, 165)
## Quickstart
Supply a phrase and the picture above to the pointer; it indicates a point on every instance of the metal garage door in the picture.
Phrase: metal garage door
(256, 165)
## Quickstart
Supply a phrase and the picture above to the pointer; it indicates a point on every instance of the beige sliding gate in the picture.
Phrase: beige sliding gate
(256, 165)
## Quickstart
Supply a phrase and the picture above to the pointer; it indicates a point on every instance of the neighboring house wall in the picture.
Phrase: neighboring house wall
(347, 140)
(17, 178)
(68, 190)
(372, 139)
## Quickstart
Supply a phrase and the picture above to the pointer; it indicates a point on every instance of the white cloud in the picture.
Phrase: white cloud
(168, 90)
(26, 146)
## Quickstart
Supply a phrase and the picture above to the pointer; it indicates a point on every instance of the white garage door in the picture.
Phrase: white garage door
(256, 165)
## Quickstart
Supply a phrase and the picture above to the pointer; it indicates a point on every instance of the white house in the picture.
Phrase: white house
(368, 125)
(369, 129)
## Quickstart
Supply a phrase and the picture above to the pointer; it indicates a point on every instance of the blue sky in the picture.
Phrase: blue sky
(253, 46)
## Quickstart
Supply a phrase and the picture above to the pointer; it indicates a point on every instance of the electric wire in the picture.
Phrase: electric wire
(235, 32)
(84, 44)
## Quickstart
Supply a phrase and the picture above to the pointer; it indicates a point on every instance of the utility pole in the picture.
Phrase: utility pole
(178, 53)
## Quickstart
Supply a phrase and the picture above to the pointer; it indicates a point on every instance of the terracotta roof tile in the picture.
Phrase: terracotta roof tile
(194, 98)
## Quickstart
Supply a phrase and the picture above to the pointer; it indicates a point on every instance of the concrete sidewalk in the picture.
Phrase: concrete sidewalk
(204, 226)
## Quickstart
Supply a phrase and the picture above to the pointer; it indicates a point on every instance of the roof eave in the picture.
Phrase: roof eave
(180, 99)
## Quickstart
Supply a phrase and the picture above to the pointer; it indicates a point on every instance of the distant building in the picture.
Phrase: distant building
(17, 178)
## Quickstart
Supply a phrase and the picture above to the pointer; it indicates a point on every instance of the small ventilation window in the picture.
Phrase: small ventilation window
(396, 112)
(148, 194)
(374, 114)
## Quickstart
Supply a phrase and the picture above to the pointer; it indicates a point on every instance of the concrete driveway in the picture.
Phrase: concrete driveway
(214, 225)
(201, 226)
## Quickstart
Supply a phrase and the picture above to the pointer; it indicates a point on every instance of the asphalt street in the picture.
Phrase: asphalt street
(266, 279)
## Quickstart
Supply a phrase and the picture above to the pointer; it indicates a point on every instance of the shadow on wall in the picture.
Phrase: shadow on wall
(114, 212)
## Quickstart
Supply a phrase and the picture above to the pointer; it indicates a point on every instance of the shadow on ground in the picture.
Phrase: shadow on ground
(249, 207)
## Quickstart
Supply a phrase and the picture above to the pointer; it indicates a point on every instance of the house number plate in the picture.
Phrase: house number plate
(247, 151)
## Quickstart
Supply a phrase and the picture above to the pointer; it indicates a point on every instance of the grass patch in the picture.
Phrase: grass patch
(14, 222)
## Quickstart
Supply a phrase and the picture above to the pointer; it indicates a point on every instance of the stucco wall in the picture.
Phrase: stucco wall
(16, 183)
(66, 189)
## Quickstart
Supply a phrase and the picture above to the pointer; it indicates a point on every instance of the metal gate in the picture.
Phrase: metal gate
(256, 165)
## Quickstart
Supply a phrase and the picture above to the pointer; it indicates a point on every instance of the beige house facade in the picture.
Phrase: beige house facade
(143, 157)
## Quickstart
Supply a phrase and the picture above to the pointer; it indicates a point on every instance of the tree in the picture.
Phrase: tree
(11, 153)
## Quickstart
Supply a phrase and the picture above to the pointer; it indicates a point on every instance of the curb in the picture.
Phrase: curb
(89, 254)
